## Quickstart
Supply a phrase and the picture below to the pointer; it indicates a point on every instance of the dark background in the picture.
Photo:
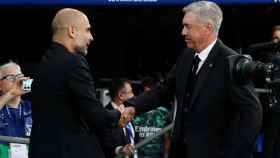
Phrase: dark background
(130, 41)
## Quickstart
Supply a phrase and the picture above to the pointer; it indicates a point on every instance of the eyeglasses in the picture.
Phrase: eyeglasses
(11, 78)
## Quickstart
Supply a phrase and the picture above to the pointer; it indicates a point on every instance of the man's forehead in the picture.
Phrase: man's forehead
(189, 18)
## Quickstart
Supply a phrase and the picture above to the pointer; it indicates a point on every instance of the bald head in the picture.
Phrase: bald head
(66, 17)
(71, 28)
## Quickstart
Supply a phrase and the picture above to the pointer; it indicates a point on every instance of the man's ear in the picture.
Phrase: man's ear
(71, 31)
(210, 28)
(120, 95)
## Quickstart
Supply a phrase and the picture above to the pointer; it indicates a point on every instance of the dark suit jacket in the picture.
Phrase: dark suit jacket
(222, 119)
(65, 108)
(110, 138)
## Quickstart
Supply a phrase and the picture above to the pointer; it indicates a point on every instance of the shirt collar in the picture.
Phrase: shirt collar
(205, 52)
(120, 107)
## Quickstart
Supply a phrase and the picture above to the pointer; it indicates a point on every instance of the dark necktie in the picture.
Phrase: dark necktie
(191, 79)
(195, 63)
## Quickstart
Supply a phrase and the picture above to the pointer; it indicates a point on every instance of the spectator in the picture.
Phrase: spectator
(149, 123)
(119, 140)
(15, 113)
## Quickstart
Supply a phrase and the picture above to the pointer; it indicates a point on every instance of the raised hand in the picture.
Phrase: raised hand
(16, 89)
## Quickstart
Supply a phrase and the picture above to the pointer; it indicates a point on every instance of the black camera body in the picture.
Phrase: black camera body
(244, 69)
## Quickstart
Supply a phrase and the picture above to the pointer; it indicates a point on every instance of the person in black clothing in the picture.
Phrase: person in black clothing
(65, 109)
(215, 116)
(118, 141)
(272, 121)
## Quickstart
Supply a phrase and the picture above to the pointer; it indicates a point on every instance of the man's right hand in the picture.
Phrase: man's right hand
(13, 92)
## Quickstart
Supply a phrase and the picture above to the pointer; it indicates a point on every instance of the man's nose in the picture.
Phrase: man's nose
(184, 31)
(91, 38)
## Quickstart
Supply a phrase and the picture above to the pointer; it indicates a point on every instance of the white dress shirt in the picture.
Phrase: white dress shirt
(204, 54)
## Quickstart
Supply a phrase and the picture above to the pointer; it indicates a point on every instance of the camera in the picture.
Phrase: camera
(244, 70)
(26, 84)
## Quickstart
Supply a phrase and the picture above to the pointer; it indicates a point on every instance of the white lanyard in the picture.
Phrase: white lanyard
(9, 113)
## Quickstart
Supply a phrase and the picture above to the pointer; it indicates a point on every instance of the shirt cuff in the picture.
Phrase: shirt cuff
(118, 150)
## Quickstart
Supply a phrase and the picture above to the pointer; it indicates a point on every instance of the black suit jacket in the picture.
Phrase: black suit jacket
(222, 118)
(65, 108)
(110, 138)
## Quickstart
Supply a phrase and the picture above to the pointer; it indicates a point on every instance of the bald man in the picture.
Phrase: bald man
(66, 112)
(71, 28)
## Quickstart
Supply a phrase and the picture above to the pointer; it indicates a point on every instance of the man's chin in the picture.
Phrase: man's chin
(189, 45)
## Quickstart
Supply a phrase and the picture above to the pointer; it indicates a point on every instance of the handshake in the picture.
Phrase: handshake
(126, 116)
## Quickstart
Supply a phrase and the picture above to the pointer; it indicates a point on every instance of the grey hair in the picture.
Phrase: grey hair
(206, 12)
(8, 64)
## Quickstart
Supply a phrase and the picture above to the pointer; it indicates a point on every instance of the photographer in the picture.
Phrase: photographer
(15, 113)
(271, 125)
(264, 71)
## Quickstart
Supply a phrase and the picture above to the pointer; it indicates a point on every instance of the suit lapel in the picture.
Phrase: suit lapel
(204, 71)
